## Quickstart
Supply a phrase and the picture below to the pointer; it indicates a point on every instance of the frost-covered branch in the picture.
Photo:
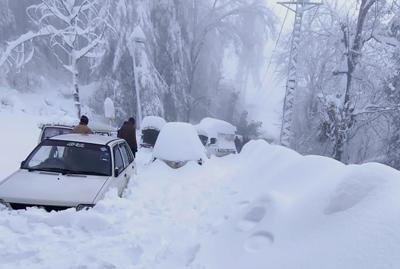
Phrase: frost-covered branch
(20, 41)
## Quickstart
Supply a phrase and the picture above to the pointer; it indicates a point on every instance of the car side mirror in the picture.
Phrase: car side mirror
(116, 172)
(213, 141)
(22, 164)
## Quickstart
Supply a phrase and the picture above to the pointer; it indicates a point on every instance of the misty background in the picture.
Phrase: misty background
(226, 59)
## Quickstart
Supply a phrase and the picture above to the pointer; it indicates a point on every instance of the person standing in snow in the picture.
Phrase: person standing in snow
(128, 133)
(238, 144)
(82, 127)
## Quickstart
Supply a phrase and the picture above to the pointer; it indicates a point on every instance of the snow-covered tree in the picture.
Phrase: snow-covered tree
(74, 30)
(225, 22)
(342, 66)
(128, 70)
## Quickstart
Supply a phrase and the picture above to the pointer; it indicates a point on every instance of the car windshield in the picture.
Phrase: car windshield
(70, 158)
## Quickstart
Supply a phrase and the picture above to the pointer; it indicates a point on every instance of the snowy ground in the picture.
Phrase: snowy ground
(265, 208)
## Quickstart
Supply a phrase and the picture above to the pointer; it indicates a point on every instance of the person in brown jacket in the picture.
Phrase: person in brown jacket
(128, 132)
(82, 127)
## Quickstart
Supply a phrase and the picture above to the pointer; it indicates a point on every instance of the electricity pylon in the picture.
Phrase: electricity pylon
(298, 7)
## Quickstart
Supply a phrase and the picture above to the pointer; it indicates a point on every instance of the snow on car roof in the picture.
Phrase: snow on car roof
(213, 127)
(179, 141)
(83, 138)
(153, 122)
(200, 131)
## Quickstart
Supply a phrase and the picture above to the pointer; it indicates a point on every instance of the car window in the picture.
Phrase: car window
(118, 161)
(129, 152)
(125, 155)
(42, 153)
(203, 139)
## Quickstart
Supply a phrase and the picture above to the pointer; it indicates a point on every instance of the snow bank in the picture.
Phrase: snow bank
(19, 136)
(213, 127)
(153, 122)
(290, 211)
(179, 141)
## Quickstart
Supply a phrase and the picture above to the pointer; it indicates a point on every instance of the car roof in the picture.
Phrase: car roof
(97, 127)
(86, 138)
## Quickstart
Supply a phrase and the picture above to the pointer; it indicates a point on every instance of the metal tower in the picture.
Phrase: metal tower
(298, 7)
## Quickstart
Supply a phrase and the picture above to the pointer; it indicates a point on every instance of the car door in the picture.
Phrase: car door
(128, 158)
(119, 180)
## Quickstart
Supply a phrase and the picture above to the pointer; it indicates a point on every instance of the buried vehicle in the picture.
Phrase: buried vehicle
(218, 135)
(71, 170)
(177, 144)
(151, 127)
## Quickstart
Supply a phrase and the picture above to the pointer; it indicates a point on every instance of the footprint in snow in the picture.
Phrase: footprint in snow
(259, 241)
(350, 192)
(254, 214)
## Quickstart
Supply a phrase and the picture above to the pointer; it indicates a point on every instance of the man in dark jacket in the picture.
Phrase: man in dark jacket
(128, 132)
(238, 144)
(82, 127)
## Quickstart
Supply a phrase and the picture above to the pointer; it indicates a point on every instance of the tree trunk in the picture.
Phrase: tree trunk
(137, 87)
(353, 53)
(75, 85)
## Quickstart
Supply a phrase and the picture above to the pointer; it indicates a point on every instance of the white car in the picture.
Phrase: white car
(49, 130)
(71, 170)
(177, 144)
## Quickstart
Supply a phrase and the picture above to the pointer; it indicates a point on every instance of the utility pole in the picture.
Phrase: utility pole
(137, 37)
(299, 7)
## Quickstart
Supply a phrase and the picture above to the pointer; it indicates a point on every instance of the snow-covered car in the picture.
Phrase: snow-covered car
(48, 130)
(220, 136)
(177, 144)
(71, 170)
(151, 127)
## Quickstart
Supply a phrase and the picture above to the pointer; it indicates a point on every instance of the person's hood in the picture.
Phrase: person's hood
(45, 188)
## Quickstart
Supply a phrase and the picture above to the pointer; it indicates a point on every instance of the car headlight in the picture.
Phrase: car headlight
(84, 207)
(5, 204)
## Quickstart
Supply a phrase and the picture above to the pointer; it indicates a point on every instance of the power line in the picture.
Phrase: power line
(276, 45)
